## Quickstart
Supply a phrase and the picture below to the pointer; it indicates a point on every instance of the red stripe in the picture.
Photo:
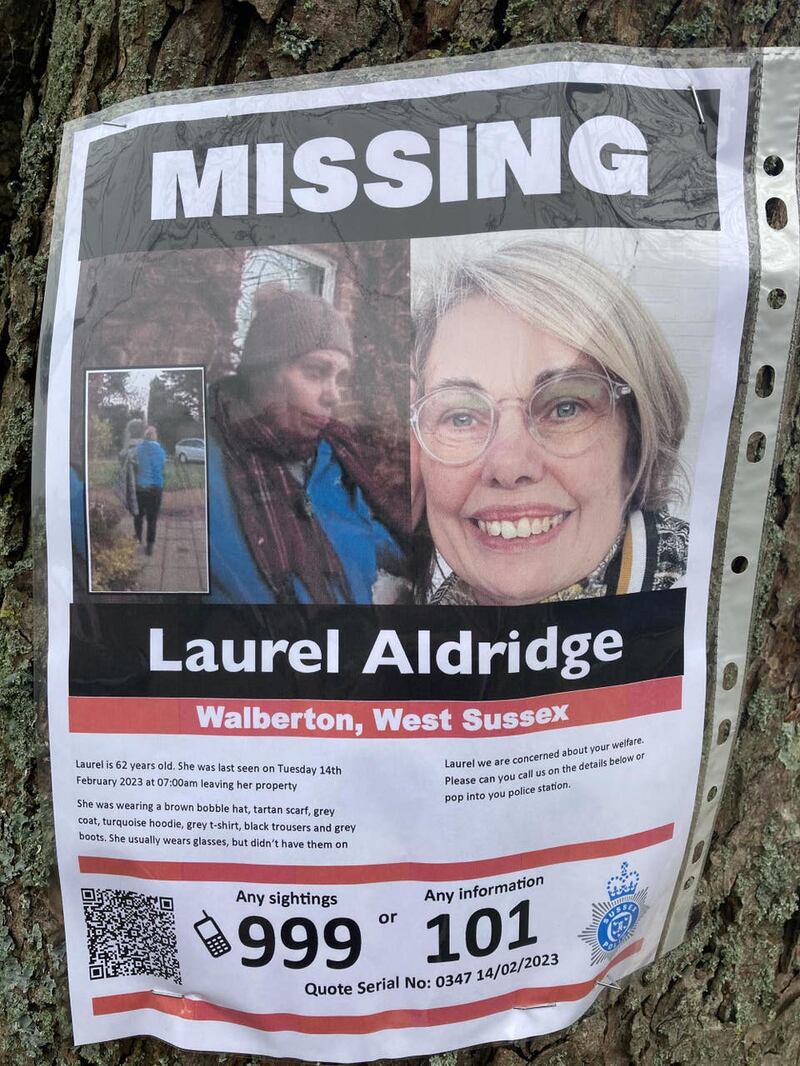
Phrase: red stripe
(135, 714)
(197, 1010)
(158, 870)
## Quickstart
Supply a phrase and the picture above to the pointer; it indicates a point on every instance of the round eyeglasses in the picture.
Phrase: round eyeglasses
(565, 414)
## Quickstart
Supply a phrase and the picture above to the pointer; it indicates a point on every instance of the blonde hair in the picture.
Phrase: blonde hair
(573, 298)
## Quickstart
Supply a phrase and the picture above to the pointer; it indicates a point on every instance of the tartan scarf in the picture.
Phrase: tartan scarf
(649, 554)
(277, 515)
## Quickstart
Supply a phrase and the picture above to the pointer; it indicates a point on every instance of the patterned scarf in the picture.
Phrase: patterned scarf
(649, 554)
(285, 537)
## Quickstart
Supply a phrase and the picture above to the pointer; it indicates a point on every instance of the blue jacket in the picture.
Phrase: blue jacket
(150, 460)
(362, 543)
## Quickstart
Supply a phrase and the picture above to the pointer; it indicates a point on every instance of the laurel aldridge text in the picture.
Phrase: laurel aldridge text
(572, 655)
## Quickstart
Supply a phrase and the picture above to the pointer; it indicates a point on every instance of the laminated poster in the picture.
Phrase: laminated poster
(386, 420)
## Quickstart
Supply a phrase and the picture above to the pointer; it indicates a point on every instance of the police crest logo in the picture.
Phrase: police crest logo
(616, 918)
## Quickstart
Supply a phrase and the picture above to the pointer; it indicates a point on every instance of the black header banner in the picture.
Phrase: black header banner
(353, 653)
(556, 155)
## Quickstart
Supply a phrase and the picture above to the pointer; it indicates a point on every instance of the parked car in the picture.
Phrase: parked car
(191, 450)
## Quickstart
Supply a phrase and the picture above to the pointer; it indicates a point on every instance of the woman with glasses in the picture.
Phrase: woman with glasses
(548, 416)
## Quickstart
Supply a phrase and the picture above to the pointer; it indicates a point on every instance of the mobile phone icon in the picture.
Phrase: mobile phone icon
(212, 936)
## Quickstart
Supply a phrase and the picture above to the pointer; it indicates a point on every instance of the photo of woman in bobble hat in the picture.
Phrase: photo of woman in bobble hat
(296, 512)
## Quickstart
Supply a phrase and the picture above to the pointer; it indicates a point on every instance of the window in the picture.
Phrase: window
(296, 268)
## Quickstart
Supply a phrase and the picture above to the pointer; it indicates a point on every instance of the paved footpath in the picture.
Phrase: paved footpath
(179, 559)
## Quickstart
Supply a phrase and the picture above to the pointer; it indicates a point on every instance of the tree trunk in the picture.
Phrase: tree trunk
(729, 994)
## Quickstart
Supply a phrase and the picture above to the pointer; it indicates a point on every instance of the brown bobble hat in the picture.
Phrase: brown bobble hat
(287, 324)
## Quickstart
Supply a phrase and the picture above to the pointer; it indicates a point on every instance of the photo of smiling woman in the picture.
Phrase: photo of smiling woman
(548, 416)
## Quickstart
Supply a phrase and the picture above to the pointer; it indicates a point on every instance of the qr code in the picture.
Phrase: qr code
(129, 934)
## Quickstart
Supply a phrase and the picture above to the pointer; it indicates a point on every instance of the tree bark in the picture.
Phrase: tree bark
(729, 994)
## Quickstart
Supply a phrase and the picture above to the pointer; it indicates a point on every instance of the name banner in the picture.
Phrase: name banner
(386, 418)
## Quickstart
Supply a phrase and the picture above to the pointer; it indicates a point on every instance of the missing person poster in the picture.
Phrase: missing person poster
(385, 426)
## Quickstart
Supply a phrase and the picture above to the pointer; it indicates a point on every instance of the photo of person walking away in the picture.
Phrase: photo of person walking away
(142, 488)
(149, 460)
